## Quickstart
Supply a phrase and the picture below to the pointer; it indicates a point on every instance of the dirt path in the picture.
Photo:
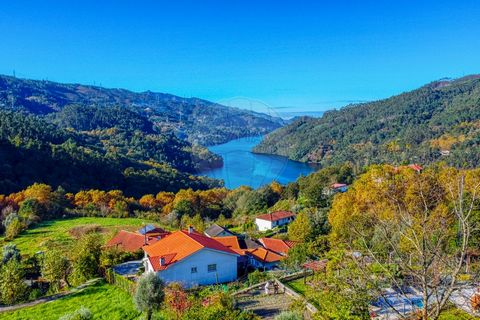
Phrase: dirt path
(52, 297)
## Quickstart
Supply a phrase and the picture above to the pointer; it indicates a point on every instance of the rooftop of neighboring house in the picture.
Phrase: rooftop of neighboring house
(152, 230)
(264, 255)
(180, 245)
(338, 185)
(214, 230)
(130, 241)
(275, 216)
(277, 245)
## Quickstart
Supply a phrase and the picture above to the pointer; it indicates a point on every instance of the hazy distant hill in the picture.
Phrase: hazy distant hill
(439, 121)
(200, 121)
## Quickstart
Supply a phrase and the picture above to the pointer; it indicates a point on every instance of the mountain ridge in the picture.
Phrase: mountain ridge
(198, 120)
(437, 121)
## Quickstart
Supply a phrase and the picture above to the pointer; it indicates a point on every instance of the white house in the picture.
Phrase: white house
(275, 219)
(191, 259)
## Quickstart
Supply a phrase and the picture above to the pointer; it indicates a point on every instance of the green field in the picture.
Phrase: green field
(103, 300)
(32, 240)
(298, 285)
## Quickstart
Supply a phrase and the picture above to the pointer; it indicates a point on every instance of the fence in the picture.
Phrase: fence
(120, 281)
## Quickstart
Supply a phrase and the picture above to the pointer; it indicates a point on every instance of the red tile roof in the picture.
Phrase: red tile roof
(180, 245)
(415, 167)
(275, 216)
(264, 255)
(338, 185)
(277, 245)
(229, 242)
(130, 241)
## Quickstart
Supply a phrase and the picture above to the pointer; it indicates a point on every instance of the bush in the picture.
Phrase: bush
(80, 314)
(257, 277)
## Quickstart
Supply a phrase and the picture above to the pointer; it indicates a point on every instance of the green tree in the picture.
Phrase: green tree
(13, 228)
(301, 228)
(296, 256)
(30, 211)
(150, 294)
(55, 268)
(86, 258)
(10, 252)
(12, 285)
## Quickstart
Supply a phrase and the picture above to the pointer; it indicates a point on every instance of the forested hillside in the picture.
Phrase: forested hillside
(197, 120)
(439, 121)
(109, 157)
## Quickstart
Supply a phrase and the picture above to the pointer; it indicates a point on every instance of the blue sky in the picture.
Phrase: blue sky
(295, 56)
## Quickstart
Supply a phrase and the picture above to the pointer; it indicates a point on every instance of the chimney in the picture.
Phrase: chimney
(162, 261)
(190, 229)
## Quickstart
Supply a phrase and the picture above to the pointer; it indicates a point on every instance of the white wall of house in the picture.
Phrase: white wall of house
(183, 271)
(263, 225)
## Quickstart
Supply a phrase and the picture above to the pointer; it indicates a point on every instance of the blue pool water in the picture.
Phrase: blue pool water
(242, 167)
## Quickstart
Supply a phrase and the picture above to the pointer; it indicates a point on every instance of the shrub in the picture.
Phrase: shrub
(79, 314)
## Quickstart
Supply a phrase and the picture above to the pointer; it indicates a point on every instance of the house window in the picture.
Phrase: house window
(194, 270)
(212, 267)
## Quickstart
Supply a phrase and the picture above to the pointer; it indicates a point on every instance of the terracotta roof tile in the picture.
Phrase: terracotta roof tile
(180, 245)
(130, 241)
(275, 216)
(264, 255)
(277, 245)
(229, 242)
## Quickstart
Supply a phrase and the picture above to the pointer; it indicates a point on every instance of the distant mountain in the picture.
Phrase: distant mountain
(199, 121)
(439, 121)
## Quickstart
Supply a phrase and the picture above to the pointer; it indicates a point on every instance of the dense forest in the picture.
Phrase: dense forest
(197, 120)
(117, 157)
(439, 121)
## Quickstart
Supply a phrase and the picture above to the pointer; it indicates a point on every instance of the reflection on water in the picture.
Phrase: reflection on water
(242, 167)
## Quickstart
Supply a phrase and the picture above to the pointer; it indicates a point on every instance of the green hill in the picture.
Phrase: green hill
(439, 121)
(199, 121)
(34, 150)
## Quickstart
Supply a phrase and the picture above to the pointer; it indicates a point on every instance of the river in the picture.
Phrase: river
(242, 167)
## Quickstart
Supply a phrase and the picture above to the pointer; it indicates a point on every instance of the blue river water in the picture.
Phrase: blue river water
(242, 167)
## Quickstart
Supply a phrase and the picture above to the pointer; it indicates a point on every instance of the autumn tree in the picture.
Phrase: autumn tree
(177, 299)
(301, 228)
(421, 223)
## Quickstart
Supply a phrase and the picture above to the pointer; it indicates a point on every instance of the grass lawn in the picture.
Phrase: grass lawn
(103, 300)
(31, 240)
(455, 314)
(298, 285)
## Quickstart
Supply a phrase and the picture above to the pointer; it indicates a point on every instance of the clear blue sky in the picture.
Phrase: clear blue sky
(298, 55)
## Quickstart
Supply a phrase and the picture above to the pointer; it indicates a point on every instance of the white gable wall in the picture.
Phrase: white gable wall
(263, 225)
(182, 271)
